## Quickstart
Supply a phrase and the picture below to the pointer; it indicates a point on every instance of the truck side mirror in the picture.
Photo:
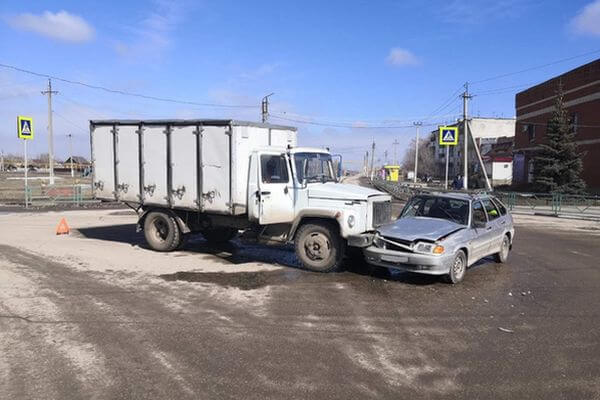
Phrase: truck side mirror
(304, 183)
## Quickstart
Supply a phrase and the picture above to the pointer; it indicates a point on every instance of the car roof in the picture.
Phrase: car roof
(457, 195)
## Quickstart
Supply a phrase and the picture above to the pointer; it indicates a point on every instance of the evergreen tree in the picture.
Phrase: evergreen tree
(558, 164)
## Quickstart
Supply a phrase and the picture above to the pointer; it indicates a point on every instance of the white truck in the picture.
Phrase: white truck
(220, 177)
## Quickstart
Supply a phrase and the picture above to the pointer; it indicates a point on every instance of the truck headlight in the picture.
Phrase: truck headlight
(428, 248)
(351, 221)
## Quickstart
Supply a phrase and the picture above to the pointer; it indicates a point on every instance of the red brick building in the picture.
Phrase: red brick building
(534, 108)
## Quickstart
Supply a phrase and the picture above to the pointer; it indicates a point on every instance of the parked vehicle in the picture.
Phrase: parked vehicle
(218, 177)
(443, 234)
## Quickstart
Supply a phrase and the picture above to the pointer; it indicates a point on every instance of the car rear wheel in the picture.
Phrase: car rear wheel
(502, 255)
(161, 231)
(458, 268)
(319, 247)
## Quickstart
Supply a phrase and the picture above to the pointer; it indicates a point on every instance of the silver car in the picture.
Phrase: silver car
(443, 234)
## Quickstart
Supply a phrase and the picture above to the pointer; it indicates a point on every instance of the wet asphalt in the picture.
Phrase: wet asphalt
(526, 329)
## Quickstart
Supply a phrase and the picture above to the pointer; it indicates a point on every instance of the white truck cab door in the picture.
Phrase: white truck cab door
(275, 189)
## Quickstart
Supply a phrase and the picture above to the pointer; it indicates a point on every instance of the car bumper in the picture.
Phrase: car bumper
(406, 261)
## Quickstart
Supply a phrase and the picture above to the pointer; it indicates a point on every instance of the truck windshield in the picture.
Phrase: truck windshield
(314, 167)
(454, 210)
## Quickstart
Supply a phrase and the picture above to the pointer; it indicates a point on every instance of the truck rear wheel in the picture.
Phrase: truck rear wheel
(319, 247)
(219, 235)
(162, 232)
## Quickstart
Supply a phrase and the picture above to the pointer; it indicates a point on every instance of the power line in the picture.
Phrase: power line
(69, 121)
(123, 92)
(351, 126)
(536, 67)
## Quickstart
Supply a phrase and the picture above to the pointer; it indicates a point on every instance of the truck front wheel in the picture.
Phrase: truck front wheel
(161, 231)
(319, 247)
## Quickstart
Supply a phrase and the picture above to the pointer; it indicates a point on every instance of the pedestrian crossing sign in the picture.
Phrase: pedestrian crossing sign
(448, 135)
(25, 127)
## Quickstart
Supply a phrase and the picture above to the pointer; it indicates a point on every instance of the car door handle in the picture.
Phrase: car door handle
(489, 228)
(502, 222)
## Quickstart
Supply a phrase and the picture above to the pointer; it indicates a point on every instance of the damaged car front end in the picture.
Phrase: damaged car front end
(443, 234)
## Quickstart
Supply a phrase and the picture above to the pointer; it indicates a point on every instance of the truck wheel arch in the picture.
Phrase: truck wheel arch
(182, 225)
(312, 216)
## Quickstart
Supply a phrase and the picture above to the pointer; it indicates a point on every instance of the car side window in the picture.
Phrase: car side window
(273, 169)
(479, 213)
(499, 205)
(491, 209)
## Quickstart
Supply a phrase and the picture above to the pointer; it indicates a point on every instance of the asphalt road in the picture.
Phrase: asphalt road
(71, 328)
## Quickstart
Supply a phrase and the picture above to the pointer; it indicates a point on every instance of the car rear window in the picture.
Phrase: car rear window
(491, 209)
(500, 206)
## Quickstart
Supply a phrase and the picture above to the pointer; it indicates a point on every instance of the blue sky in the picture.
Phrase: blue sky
(361, 64)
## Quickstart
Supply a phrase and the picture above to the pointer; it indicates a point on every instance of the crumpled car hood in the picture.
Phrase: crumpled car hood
(414, 228)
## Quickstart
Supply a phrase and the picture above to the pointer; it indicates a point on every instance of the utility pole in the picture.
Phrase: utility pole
(372, 159)
(1, 160)
(265, 107)
(395, 144)
(366, 164)
(70, 136)
(385, 155)
(50, 92)
(417, 125)
(466, 97)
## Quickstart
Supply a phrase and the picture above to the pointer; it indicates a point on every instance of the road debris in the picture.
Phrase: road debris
(505, 330)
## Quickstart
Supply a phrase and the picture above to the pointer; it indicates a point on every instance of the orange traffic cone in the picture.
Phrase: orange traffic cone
(62, 228)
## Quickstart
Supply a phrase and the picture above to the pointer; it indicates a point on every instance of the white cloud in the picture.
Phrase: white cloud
(60, 25)
(588, 20)
(399, 57)
(153, 33)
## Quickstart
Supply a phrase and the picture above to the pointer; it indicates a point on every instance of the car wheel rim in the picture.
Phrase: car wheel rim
(459, 267)
(317, 247)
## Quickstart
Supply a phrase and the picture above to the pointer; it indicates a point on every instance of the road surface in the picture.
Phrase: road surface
(97, 315)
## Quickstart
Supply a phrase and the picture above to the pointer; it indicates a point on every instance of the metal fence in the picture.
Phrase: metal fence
(47, 195)
(557, 204)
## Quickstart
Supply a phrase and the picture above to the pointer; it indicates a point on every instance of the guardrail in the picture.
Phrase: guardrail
(47, 195)
(556, 204)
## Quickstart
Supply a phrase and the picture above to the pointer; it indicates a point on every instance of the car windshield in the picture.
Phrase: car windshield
(314, 167)
(451, 209)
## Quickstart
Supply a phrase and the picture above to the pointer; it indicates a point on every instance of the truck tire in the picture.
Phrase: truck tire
(319, 247)
(162, 232)
(219, 235)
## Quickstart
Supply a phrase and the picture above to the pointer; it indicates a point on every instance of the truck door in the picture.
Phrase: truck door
(275, 189)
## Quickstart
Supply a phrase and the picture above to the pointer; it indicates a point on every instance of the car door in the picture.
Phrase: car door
(480, 236)
(276, 201)
(497, 223)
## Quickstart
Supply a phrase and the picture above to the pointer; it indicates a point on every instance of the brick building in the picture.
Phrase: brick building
(534, 108)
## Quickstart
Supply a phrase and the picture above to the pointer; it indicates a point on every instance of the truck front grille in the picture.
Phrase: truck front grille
(382, 213)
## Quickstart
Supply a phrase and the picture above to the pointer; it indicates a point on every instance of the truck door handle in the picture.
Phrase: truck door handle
(264, 193)
(285, 190)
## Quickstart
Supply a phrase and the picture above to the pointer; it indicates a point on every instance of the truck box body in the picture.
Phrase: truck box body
(199, 165)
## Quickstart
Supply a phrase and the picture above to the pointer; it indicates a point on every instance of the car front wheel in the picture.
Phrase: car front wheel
(458, 268)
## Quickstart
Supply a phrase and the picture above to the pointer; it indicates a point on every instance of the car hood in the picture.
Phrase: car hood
(340, 191)
(414, 228)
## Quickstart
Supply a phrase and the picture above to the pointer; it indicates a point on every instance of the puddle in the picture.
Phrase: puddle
(240, 280)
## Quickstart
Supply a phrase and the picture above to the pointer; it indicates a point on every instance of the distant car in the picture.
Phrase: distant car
(443, 234)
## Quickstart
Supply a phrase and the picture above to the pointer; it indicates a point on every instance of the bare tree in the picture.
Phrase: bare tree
(426, 158)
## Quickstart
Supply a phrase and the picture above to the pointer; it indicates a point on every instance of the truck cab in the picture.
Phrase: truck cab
(294, 195)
